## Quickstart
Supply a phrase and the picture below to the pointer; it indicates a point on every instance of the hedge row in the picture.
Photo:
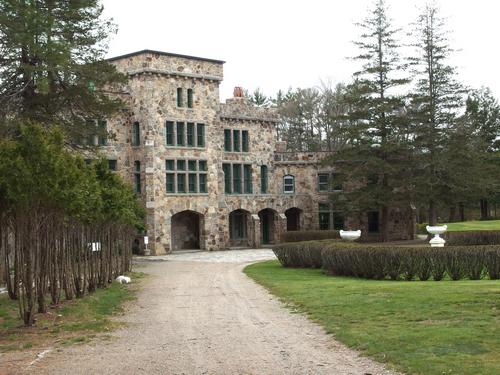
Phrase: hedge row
(478, 237)
(408, 263)
(309, 235)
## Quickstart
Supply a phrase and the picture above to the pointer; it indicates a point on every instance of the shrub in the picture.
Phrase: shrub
(309, 235)
(300, 254)
(468, 238)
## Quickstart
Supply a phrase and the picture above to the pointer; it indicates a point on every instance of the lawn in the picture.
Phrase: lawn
(474, 225)
(446, 327)
(75, 321)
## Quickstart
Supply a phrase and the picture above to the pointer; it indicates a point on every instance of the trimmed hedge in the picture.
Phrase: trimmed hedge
(309, 235)
(477, 237)
(393, 262)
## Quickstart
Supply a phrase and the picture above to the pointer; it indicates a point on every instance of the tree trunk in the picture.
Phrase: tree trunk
(484, 209)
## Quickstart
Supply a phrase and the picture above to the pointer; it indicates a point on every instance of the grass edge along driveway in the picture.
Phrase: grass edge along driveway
(445, 327)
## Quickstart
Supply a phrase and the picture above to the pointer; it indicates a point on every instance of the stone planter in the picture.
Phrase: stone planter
(436, 230)
(350, 235)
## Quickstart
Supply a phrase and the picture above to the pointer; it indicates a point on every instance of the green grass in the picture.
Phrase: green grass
(474, 225)
(446, 327)
(74, 321)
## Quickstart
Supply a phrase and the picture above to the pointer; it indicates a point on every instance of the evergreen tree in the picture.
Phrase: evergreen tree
(52, 67)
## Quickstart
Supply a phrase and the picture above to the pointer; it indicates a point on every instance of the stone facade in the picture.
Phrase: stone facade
(175, 131)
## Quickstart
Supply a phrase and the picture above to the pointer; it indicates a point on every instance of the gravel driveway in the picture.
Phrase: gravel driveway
(199, 314)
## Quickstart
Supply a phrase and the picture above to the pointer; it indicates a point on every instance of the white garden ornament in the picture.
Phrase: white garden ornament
(350, 235)
(436, 230)
(123, 279)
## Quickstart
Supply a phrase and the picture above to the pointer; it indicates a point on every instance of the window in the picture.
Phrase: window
(190, 134)
(288, 184)
(247, 178)
(186, 176)
(179, 97)
(137, 176)
(136, 134)
(323, 182)
(328, 218)
(236, 140)
(328, 182)
(227, 140)
(112, 165)
(226, 168)
(237, 178)
(201, 135)
(169, 133)
(263, 179)
(180, 134)
(102, 138)
(244, 140)
(190, 98)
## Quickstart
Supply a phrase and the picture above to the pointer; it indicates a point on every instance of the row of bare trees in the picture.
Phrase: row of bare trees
(66, 227)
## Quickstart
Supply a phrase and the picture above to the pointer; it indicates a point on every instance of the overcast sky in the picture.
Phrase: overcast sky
(276, 44)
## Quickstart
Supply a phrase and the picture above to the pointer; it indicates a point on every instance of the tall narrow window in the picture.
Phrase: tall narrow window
(263, 179)
(201, 135)
(180, 134)
(227, 140)
(324, 216)
(179, 97)
(137, 176)
(190, 134)
(102, 126)
(181, 182)
(192, 182)
(190, 98)
(288, 184)
(170, 183)
(236, 140)
(202, 180)
(237, 178)
(247, 178)
(169, 133)
(227, 178)
(244, 140)
(136, 134)
(373, 221)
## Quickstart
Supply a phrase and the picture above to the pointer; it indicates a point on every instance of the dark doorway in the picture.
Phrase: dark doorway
(292, 219)
(267, 226)
(373, 222)
(239, 227)
(185, 230)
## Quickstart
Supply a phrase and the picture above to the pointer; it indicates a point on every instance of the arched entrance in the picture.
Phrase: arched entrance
(239, 228)
(293, 218)
(186, 228)
(268, 226)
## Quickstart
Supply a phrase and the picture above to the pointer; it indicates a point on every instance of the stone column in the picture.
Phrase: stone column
(256, 243)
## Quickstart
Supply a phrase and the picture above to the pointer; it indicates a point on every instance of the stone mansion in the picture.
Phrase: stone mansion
(213, 175)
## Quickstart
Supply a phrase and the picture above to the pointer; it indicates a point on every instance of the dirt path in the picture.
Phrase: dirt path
(202, 317)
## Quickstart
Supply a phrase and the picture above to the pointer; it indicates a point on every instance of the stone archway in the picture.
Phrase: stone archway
(293, 218)
(186, 230)
(269, 231)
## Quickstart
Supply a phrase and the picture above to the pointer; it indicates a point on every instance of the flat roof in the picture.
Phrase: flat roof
(164, 54)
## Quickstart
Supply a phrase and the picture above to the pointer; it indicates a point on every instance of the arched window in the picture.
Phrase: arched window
(289, 184)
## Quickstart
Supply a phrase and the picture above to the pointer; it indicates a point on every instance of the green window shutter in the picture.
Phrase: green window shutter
(181, 182)
(202, 180)
(236, 140)
(263, 179)
(227, 140)
(227, 178)
(200, 135)
(192, 182)
(237, 178)
(190, 134)
(244, 141)
(179, 97)
(170, 183)
(169, 133)
(180, 134)
(247, 178)
(190, 98)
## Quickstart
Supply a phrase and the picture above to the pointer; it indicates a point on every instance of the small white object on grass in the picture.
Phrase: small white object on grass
(123, 279)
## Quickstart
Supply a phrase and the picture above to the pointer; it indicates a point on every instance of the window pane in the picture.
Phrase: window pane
(137, 182)
(169, 165)
(112, 165)
(190, 134)
(324, 207)
(169, 133)
(202, 164)
(263, 179)
(201, 135)
(103, 132)
(170, 183)
(236, 140)
(179, 97)
(227, 140)
(324, 220)
(192, 165)
(192, 182)
(227, 178)
(237, 178)
(137, 166)
(136, 134)
(288, 184)
(247, 177)
(190, 98)
(202, 179)
(244, 140)
(181, 182)
(180, 134)
(181, 165)
(323, 182)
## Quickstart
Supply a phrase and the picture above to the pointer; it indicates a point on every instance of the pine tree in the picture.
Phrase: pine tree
(52, 67)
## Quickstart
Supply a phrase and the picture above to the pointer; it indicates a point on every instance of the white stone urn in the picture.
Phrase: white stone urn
(350, 235)
(436, 230)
